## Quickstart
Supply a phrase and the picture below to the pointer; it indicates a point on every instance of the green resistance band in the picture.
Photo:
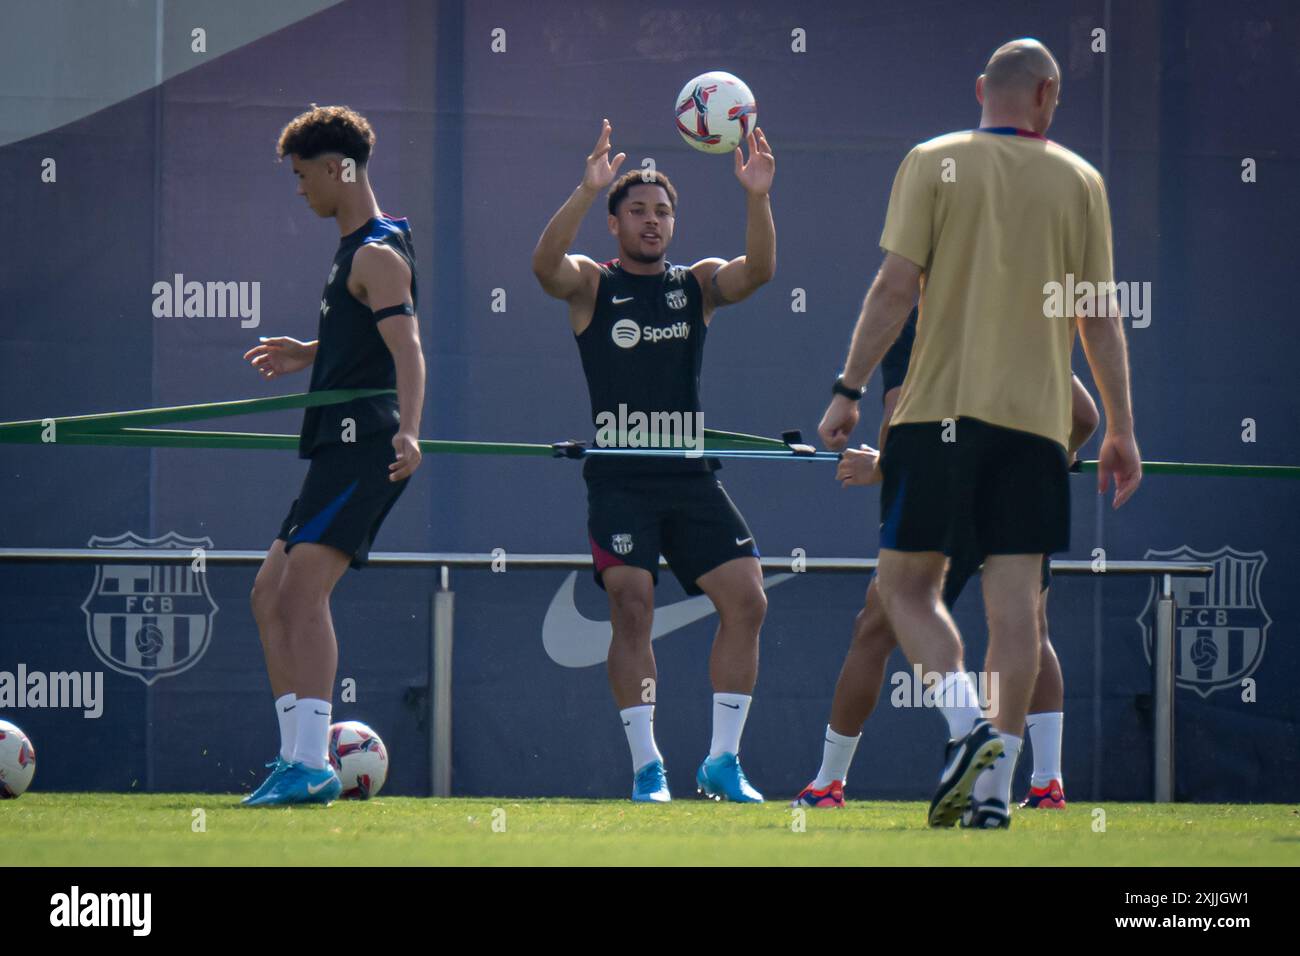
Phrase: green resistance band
(1206, 470)
(125, 429)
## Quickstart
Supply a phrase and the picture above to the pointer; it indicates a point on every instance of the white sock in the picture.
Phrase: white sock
(1045, 739)
(729, 713)
(288, 717)
(639, 725)
(995, 783)
(837, 754)
(313, 732)
(959, 703)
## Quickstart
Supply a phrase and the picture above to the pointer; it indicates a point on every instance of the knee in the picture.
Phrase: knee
(631, 613)
(264, 600)
(871, 631)
(746, 611)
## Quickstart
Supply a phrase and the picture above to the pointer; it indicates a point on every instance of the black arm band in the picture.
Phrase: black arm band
(404, 309)
(839, 388)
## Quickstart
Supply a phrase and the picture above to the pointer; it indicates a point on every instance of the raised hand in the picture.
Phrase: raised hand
(600, 171)
(756, 173)
(280, 356)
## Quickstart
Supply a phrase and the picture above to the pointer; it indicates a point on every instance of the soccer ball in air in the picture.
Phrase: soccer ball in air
(715, 111)
(17, 761)
(360, 759)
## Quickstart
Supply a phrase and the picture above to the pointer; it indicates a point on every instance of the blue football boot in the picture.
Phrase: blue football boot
(651, 784)
(278, 766)
(722, 779)
(301, 784)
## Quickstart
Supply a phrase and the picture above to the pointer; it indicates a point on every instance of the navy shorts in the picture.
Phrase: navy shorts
(345, 497)
(992, 490)
(688, 518)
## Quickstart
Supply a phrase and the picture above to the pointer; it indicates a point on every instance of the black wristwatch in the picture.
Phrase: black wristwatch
(839, 388)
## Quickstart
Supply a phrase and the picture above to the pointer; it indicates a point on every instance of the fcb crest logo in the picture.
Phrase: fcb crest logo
(149, 620)
(676, 298)
(621, 543)
(1220, 624)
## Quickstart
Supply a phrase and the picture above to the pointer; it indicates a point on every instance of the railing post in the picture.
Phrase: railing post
(1162, 661)
(440, 645)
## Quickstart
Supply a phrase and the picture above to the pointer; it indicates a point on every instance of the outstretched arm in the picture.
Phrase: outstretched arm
(724, 282)
(569, 277)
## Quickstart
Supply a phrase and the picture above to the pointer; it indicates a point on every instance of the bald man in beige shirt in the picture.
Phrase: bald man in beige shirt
(980, 222)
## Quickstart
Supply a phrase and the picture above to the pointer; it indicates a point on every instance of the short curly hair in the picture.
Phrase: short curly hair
(327, 129)
(636, 177)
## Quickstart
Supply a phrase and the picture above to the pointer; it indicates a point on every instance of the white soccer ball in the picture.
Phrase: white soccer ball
(17, 761)
(715, 111)
(360, 759)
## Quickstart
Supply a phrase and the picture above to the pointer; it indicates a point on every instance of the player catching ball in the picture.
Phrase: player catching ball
(640, 324)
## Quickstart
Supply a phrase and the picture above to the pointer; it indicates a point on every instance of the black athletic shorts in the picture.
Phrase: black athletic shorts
(992, 490)
(345, 497)
(688, 518)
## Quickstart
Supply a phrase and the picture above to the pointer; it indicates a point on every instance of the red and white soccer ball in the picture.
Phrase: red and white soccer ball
(17, 761)
(360, 759)
(715, 111)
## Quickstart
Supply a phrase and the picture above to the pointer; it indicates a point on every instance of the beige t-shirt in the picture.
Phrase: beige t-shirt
(992, 219)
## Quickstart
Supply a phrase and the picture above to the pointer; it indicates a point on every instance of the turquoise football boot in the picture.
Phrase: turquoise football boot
(651, 784)
(722, 779)
(301, 784)
(278, 766)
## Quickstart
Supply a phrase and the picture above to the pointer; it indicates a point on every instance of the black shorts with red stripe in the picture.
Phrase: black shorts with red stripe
(688, 518)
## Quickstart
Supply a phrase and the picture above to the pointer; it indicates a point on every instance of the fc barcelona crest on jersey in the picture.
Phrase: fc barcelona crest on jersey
(676, 298)
(1220, 624)
(149, 620)
(621, 543)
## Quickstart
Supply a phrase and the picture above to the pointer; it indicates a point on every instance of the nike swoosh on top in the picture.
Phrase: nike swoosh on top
(956, 759)
(572, 640)
(740, 541)
(617, 301)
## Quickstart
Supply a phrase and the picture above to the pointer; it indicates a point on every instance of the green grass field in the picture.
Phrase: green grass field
(68, 829)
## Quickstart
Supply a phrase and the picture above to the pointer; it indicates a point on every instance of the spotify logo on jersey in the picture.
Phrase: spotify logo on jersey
(626, 333)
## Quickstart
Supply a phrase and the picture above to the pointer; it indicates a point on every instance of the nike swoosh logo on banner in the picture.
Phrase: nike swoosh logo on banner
(314, 788)
(572, 640)
(617, 301)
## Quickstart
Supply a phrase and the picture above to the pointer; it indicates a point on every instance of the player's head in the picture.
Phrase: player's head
(642, 212)
(320, 143)
(1022, 78)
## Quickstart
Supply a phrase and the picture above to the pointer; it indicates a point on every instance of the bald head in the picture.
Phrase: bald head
(1020, 85)
(1019, 66)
